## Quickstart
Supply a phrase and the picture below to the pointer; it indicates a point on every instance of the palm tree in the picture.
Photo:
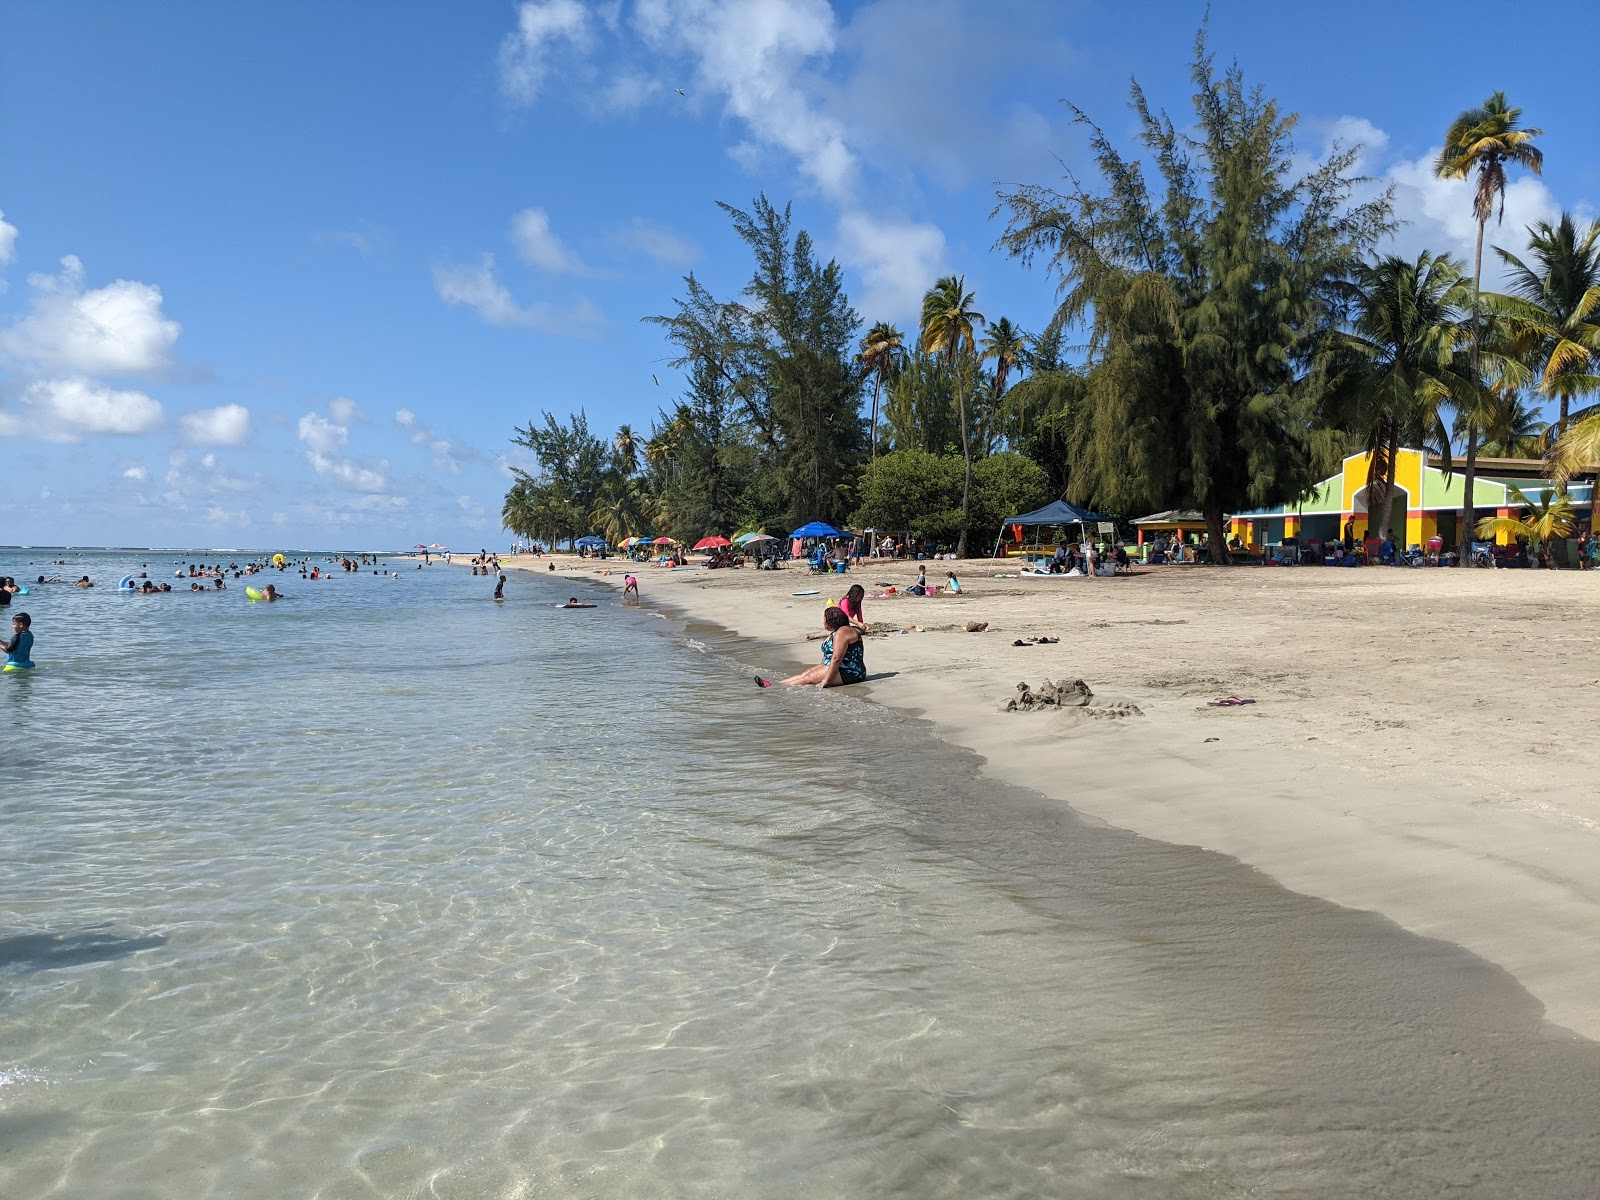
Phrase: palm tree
(1556, 302)
(1511, 428)
(1006, 346)
(1401, 361)
(1484, 139)
(1549, 520)
(628, 445)
(947, 322)
(880, 354)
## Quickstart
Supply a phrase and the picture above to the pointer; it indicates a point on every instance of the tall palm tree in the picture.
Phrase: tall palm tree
(1484, 139)
(1006, 347)
(948, 319)
(628, 445)
(1401, 361)
(1555, 300)
(881, 349)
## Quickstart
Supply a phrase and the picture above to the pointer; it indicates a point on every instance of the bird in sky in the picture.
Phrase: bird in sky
(680, 91)
(655, 381)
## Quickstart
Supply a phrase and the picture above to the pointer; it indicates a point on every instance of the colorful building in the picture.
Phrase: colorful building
(1426, 502)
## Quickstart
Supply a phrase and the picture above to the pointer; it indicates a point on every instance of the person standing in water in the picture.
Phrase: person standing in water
(630, 587)
(19, 650)
(500, 588)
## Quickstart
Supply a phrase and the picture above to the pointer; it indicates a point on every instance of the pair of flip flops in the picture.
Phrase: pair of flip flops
(1036, 641)
(1229, 702)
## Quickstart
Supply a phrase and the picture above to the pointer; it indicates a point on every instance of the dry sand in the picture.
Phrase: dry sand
(1422, 743)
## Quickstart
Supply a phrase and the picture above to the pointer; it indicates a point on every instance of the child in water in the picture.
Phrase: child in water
(500, 589)
(19, 650)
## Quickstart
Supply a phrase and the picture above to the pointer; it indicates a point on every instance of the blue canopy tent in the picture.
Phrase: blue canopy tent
(816, 529)
(591, 541)
(1057, 512)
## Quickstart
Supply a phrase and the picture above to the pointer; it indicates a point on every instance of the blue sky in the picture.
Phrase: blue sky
(289, 273)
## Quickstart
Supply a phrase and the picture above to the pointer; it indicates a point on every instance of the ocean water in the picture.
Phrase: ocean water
(392, 891)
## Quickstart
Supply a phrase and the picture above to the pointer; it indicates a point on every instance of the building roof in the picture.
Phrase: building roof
(1173, 516)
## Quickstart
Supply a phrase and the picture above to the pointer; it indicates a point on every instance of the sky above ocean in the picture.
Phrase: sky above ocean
(291, 273)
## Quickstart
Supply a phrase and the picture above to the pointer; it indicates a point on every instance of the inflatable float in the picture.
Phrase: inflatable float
(125, 584)
(251, 593)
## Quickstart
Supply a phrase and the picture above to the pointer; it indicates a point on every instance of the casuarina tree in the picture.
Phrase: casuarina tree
(1208, 278)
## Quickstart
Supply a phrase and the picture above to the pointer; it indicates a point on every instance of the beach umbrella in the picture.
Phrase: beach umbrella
(712, 542)
(753, 538)
(663, 541)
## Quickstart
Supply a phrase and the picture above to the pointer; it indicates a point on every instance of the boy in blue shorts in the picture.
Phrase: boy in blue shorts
(19, 650)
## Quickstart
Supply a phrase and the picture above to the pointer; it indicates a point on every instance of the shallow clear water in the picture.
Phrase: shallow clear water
(388, 890)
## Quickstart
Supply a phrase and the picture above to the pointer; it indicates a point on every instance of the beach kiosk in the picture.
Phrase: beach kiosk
(1423, 507)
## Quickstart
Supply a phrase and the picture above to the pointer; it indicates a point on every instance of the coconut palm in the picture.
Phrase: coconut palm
(1555, 300)
(628, 445)
(948, 319)
(1543, 522)
(1006, 347)
(881, 350)
(1484, 140)
(1400, 362)
(1511, 428)
(620, 510)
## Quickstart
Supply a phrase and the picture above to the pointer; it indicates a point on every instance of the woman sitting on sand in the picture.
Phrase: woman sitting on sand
(851, 607)
(842, 658)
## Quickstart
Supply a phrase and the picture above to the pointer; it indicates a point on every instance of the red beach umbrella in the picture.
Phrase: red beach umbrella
(663, 541)
(712, 542)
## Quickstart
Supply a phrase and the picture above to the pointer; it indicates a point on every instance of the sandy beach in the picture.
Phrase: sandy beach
(1418, 746)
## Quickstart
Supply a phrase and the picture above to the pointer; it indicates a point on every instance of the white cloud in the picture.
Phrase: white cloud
(754, 54)
(225, 425)
(345, 410)
(447, 455)
(137, 474)
(325, 443)
(660, 243)
(116, 329)
(478, 288)
(322, 435)
(8, 242)
(897, 260)
(524, 53)
(538, 246)
(898, 107)
(68, 410)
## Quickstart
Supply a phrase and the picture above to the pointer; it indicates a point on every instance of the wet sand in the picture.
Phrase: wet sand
(1419, 746)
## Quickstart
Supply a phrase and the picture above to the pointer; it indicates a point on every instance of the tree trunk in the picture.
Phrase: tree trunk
(966, 481)
(875, 387)
(1561, 430)
(1215, 533)
(1469, 475)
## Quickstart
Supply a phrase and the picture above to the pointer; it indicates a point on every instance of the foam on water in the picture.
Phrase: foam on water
(391, 891)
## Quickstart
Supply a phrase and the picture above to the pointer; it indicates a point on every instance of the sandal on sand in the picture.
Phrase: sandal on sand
(1228, 702)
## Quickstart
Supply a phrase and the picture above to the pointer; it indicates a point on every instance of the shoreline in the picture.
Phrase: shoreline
(1350, 779)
